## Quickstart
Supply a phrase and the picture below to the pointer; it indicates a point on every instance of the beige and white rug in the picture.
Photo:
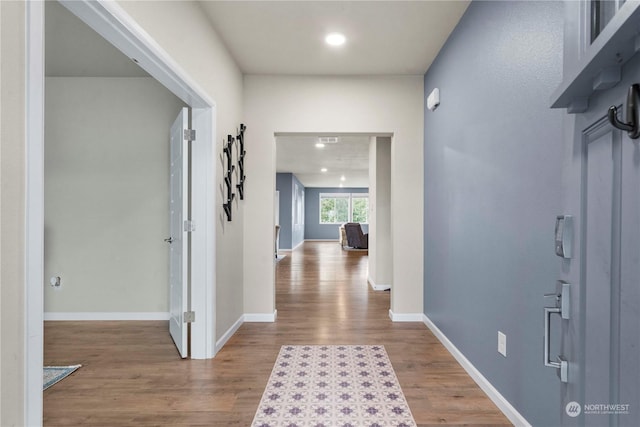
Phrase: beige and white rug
(341, 386)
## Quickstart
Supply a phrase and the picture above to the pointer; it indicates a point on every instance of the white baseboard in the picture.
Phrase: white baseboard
(405, 317)
(106, 316)
(377, 287)
(503, 404)
(247, 317)
(322, 240)
(261, 317)
(227, 335)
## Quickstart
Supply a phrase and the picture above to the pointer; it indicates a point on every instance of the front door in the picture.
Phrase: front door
(601, 339)
(609, 293)
(178, 236)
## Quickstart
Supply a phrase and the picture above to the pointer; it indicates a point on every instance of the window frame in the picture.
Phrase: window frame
(349, 197)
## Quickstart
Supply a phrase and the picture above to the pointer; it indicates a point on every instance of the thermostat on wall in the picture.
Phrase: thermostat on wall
(433, 100)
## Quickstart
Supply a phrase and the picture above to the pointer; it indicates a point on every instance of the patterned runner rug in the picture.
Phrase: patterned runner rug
(342, 386)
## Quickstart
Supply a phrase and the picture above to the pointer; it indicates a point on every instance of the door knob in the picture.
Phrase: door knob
(169, 240)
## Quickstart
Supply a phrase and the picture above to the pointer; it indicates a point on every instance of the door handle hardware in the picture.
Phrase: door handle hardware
(169, 240)
(631, 127)
(562, 301)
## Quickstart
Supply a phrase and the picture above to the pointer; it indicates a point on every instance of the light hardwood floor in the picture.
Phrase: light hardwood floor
(132, 375)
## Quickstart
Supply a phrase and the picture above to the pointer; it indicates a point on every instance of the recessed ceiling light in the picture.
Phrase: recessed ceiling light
(319, 145)
(342, 178)
(323, 170)
(340, 185)
(335, 39)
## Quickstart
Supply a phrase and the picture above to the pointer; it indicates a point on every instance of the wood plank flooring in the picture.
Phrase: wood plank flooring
(132, 374)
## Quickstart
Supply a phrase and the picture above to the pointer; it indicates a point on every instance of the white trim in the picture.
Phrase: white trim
(377, 287)
(203, 247)
(109, 20)
(507, 409)
(291, 250)
(227, 335)
(117, 27)
(322, 240)
(405, 317)
(34, 213)
(261, 317)
(106, 316)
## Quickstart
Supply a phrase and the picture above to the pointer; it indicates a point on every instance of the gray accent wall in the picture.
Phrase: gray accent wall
(493, 168)
(283, 185)
(313, 230)
(292, 197)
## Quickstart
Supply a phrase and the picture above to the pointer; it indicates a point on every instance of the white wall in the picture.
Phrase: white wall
(379, 105)
(107, 194)
(380, 243)
(12, 212)
(184, 32)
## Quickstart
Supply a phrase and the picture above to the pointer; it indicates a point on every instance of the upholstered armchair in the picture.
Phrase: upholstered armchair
(355, 237)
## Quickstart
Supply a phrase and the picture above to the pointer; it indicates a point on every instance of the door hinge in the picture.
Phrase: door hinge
(189, 317)
(189, 134)
(189, 226)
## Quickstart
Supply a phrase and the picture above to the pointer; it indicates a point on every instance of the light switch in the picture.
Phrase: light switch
(502, 344)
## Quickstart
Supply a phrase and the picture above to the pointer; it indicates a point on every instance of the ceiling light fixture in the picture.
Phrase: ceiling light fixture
(319, 145)
(323, 170)
(335, 39)
(342, 178)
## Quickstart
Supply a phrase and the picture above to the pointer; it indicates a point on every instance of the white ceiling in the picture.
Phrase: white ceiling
(287, 37)
(349, 157)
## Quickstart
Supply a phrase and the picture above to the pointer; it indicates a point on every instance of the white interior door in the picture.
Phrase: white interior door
(178, 239)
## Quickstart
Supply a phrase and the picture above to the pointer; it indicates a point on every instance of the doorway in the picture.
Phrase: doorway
(106, 178)
(117, 28)
(345, 177)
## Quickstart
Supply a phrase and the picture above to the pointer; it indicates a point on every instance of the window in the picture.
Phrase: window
(601, 13)
(360, 208)
(338, 208)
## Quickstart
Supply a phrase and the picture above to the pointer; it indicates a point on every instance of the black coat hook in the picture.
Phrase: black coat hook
(631, 127)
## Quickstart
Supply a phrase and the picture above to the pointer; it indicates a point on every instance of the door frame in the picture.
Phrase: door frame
(117, 27)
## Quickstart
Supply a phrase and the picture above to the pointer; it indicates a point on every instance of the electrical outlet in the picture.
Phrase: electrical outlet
(55, 282)
(502, 344)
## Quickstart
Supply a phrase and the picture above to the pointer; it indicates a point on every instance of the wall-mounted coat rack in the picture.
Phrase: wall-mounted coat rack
(241, 154)
(632, 127)
(228, 178)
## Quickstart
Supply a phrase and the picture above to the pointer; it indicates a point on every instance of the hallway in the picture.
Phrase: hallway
(131, 374)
